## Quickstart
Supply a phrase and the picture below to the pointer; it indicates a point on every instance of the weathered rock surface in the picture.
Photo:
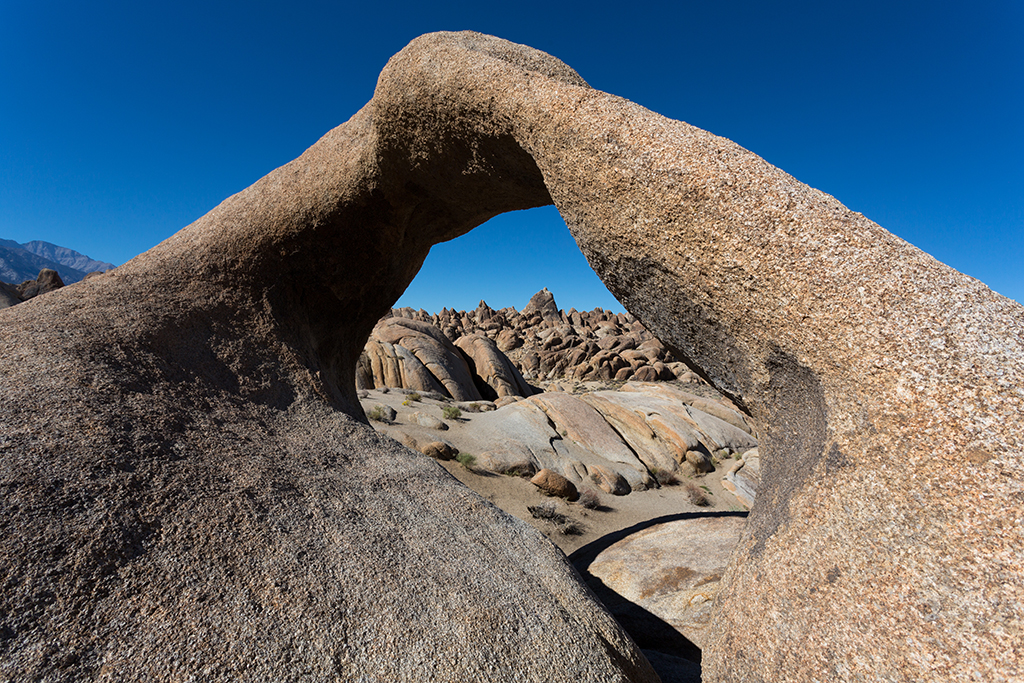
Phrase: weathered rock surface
(8, 295)
(199, 471)
(543, 304)
(554, 484)
(439, 450)
(664, 574)
(429, 421)
(744, 478)
(492, 371)
(613, 440)
(414, 355)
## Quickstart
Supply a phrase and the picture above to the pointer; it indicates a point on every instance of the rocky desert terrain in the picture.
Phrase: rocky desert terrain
(644, 484)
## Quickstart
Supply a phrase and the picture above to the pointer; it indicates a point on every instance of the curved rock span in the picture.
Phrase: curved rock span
(190, 490)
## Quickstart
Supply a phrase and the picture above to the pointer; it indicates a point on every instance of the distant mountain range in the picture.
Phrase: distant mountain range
(20, 262)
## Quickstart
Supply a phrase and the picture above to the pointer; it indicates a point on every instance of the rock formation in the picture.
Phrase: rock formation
(663, 581)
(744, 478)
(614, 440)
(546, 343)
(47, 281)
(190, 489)
(412, 354)
(184, 460)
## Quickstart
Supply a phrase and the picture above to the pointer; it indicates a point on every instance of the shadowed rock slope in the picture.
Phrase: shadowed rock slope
(189, 488)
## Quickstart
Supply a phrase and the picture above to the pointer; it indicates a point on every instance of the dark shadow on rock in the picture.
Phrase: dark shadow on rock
(649, 631)
(673, 669)
(582, 557)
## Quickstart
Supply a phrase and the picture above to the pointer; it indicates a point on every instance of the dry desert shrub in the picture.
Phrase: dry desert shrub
(698, 496)
(451, 413)
(524, 471)
(545, 511)
(468, 460)
(566, 525)
(570, 527)
(589, 499)
(664, 477)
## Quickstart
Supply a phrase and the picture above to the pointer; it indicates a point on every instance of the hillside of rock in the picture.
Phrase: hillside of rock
(616, 441)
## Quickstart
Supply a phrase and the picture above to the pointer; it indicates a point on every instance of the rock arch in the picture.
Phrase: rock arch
(179, 466)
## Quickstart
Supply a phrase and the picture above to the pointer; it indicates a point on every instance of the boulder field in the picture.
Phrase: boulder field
(545, 343)
(190, 489)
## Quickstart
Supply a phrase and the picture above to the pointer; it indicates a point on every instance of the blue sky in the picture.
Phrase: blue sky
(122, 122)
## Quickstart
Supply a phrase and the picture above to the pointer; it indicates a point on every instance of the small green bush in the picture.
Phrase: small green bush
(451, 413)
(468, 460)
(415, 397)
(376, 414)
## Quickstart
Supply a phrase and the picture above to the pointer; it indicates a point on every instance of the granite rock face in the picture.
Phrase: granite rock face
(200, 471)
(666, 574)
(615, 440)
(189, 487)
(414, 355)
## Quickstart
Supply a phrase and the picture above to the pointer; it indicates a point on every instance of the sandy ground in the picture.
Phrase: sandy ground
(515, 495)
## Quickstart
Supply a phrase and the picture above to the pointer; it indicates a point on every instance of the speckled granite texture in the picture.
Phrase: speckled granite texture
(189, 491)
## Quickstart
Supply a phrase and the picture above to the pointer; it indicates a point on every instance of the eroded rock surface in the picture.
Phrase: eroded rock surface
(184, 459)
(414, 355)
(616, 441)
(190, 489)
(744, 478)
(666, 574)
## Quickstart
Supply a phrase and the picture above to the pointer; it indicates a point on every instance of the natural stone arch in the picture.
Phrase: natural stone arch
(857, 350)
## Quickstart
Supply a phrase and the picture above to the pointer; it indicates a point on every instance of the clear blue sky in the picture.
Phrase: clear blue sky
(122, 122)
